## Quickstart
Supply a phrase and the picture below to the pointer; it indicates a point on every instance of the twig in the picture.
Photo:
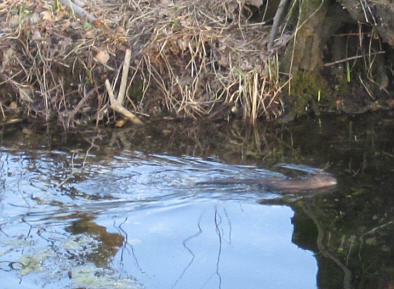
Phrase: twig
(373, 230)
(275, 24)
(2, 110)
(78, 11)
(116, 106)
(79, 106)
(125, 73)
(117, 103)
(79, 3)
(353, 57)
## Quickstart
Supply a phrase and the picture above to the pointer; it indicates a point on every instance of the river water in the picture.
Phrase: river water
(123, 208)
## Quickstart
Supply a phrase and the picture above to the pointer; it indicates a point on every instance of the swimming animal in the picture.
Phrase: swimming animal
(312, 183)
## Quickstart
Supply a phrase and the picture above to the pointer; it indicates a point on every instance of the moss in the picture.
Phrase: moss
(342, 87)
(136, 90)
(304, 91)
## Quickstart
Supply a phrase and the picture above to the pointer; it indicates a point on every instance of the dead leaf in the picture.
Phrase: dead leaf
(13, 105)
(166, 2)
(182, 44)
(27, 131)
(120, 123)
(223, 60)
(91, 34)
(34, 18)
(390, 102)
(102, 56)
(256, 3)
(8, 57)
(36, 35)
(46, 15)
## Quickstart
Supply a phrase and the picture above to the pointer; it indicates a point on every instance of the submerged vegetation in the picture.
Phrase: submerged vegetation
(90, 61)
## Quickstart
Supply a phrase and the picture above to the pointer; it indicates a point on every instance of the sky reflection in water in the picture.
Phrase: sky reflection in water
(175, 234)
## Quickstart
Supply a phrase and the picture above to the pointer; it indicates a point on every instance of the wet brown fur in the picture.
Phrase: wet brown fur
(320, 182)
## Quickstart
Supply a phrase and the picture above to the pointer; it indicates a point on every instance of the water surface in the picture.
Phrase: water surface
(123, 209)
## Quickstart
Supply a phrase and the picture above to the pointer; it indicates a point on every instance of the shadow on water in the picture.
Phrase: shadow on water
(125, 208)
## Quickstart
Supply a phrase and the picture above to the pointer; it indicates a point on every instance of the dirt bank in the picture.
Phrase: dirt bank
(101, 62)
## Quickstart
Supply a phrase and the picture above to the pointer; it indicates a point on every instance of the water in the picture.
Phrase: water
(123, 208)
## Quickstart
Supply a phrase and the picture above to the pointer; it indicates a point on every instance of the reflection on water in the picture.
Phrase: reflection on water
(230, 245)
(129, 212)
(144, 217)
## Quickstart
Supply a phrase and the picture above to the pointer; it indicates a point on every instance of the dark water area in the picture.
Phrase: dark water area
(125, 208)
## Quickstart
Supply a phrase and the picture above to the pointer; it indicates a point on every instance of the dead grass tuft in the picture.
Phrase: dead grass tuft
(189, 58)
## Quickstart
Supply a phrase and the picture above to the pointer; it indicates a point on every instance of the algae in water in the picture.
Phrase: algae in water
(91, 277)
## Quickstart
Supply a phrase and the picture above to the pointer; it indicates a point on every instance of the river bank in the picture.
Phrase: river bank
(105, 62)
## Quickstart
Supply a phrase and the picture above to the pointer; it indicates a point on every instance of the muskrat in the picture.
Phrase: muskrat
(319, 182)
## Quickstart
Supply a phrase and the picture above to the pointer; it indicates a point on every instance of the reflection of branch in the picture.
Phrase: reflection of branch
(72, 172)
(347, 278)
(229, 225)
(218, 221)
(2, 231)
(126, 243)
(190, 251)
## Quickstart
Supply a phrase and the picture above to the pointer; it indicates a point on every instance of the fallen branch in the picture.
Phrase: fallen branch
(78, 11)
(117, 103)
(116, 106)
(275, 24)
(125, 73)
(353, 58)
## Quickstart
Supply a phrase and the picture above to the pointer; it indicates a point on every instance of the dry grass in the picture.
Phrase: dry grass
(189, 58)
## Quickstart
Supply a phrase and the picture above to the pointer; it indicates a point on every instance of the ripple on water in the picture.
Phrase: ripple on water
(169, 231)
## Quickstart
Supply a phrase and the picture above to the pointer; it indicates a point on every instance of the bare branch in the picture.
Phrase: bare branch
(275, 25)
(116, 106)
(78, 11)
(125, 73)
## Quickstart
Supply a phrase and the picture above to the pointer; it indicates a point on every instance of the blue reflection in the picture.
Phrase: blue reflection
(176, 234)
(210, 244)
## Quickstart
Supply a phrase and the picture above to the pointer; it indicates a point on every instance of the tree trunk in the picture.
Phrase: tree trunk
(358, 65)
